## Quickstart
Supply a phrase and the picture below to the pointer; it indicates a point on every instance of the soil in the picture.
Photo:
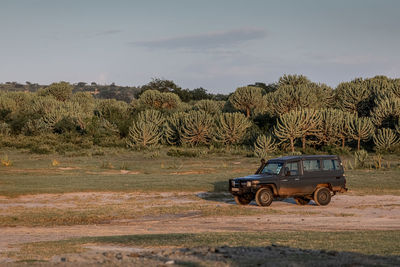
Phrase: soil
(345, 212)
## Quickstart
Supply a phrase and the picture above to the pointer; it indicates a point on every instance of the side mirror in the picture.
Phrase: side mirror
(286, 171)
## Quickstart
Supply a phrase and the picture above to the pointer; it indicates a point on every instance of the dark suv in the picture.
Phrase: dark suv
(304, 178)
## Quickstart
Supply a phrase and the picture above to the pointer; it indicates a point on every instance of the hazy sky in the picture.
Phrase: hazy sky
(216, 44)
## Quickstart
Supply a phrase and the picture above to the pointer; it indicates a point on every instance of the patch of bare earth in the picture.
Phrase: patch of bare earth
(345, 212)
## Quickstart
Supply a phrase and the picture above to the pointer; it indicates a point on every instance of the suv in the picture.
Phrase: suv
(304, 178)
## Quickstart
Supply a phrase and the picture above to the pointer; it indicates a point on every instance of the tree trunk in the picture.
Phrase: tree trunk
(247, 112)
(358, 143)
(343, 142)
(303, 142)
(292, 144)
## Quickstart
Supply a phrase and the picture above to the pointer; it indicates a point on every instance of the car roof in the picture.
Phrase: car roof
(287, 158)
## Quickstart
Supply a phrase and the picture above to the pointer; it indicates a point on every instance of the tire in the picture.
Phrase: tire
(301, 201)
(264, 197)
(243, 199)
(322, 196)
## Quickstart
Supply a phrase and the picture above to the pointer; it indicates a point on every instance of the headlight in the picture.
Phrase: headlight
(248, 184)
(233, 183)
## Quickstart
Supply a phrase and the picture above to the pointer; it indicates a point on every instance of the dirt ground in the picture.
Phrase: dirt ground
(345, 212)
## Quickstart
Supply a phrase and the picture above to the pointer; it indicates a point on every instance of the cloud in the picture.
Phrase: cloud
(107, 32)
(204, 41)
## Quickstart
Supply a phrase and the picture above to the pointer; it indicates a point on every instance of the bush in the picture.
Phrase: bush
(41, 149)
(360, 158)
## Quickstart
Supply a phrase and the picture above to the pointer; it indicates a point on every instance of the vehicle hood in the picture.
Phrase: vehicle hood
(254, 177)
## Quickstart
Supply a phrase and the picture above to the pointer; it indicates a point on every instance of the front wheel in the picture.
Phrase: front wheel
(264, 197)
(322, 196)
(243, 199)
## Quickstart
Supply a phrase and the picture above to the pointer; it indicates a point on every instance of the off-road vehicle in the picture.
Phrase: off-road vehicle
(305, 178)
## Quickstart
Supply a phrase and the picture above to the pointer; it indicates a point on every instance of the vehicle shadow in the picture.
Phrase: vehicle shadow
(220, 193)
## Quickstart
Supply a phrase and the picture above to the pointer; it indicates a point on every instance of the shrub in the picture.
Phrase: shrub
(385, 140)
(264, 146)
(231, 127)
(360, 158)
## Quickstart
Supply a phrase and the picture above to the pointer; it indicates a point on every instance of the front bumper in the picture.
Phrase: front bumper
(241, 188)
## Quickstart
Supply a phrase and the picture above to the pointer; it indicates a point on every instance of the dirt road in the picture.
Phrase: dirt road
(345, 212)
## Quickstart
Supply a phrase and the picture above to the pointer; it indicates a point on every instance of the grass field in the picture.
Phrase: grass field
(361, 242)
(137, 184)
(126, 171)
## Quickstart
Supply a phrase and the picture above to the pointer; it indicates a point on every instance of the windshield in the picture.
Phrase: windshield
(272, 168)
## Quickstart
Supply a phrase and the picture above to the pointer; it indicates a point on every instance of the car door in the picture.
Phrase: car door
(290, 181)
(332, 171)
(312, 174)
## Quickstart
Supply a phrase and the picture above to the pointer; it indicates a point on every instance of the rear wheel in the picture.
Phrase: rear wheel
(264, 197)
(243, 199)
(322, 196)
(301, 200)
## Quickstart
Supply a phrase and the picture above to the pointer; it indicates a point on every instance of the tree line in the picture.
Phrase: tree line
(291, 114)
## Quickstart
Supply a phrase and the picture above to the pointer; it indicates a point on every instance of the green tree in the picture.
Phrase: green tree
(197, 128)
(386, 112)
(360, 129)
(163, 101)
(231, 127)
(264, 146)
(289, 127)
(61, 91)
(311, 119)
(212, 107)
(385, 139)
(146, 130)
(247, 99)
(174, 128)
(292, 95)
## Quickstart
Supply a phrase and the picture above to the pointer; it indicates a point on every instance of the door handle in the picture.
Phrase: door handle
(284, 180)
(297, 179)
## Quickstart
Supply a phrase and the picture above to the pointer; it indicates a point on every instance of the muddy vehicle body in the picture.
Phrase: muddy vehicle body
(305, 178)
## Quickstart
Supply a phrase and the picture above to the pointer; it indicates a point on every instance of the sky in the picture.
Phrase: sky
(215, 44)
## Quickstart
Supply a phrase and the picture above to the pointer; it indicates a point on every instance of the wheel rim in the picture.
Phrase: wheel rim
(264, 197)
(323, 197)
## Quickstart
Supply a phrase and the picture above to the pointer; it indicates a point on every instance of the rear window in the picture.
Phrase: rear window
(331, 165)
(311, 165)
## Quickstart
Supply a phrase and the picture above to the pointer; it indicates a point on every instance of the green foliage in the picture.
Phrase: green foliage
(333, 127)
(5, 129)
(61, 91)
(197, 128)
(297, 92)
(385, 140)
(360, 129)
(352, 96)
(117, 114)
(386, 112)
(157, 100)
(289, 127)
(174, 127)
(230, 128)
(264, 146)
(360, 158)
(146, 130)
(247, 99)
(212, 107)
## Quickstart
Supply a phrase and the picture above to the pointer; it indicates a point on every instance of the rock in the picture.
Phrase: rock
(118, 256)
(169, 262)
(63, 259)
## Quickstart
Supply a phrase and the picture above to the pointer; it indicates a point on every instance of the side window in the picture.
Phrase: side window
(311, 165)
(331, 165)
(293, 167)
(336, 164)
(328, 165)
